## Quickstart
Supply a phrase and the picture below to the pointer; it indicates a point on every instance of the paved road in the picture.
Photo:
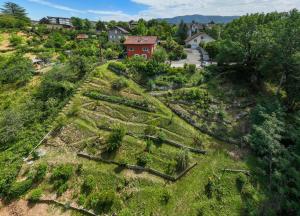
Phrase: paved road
(193, 57)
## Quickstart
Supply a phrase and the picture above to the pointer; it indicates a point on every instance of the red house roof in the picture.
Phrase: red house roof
(139, 40)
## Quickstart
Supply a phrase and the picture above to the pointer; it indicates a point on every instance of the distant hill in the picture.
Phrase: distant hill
(200, 19)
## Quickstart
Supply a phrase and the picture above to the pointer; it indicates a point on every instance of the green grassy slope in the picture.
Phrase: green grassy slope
(87, 129)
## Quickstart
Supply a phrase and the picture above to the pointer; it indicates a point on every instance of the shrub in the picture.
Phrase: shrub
(166, 196)
(209, 187)
(149, 144)
(150, 130)
(197, 140)
(19, 188)
(74, 109)
(60, 176)
(143, 159)
(16, 69)
(110, 54)
(40, 172)
(115, 138)
(88, 184)
(35, 195)
(15, 40)
(62, 188)
(171, 168)
(119, 84)
(62, 172)
(241, 180)
(182, 160)
(79, 169)
(102, 202)
(190, 68)
(161, 137)
(160, 55)
(120, 67)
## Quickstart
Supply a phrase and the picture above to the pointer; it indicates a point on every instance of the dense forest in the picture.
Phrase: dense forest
(89, 95)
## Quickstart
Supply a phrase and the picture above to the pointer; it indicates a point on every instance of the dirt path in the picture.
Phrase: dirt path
(23, 208)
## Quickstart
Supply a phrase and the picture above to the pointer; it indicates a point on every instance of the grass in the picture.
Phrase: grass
(140, 193)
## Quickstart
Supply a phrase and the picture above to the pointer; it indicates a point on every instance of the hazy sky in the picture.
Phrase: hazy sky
(134, 9)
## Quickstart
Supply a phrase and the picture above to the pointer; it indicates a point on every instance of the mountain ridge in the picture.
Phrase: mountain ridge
(200, 19)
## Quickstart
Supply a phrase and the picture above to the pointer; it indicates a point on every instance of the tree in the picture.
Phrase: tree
(87, 24)
(55, 40)
(159, 55)
(14, 10)
(141, 28)
(77, 23)
(182, 32)
(100, 26)
(16, 69)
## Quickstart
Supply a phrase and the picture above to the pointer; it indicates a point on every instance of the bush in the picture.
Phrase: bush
(115, 139)
(166, 196)
(190, 68)
(110, 54)
(60, 176)
(35, 195)
(40, 172)
(182, 160)
(74, 109)
(120, 67)
(143, 159)
(241, 180)
(15, 40)
(102, 202)
(171, 168)
(88, 184)
(19, 188)
(62, 172)
(149, 144)
(16, 69)
(160, 55)
(119, 84)
(161, 137)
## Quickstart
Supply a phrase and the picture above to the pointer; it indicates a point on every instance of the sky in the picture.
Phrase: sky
(126, 10)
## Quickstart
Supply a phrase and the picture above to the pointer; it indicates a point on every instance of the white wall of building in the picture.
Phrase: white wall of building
(202, 38)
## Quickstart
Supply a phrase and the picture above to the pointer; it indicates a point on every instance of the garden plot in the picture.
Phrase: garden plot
(136, 176)
(99, 107)
(211, 113)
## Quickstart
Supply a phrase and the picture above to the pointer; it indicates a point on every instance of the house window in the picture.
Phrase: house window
(136, 55)
(195, 40)
(202, 37)
(145, 49)
(144, 55)
(130, 49)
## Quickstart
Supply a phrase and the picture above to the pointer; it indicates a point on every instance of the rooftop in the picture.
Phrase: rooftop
(141, 40)
(194, 36)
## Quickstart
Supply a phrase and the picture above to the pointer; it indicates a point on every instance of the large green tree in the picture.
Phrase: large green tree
(10, 8)
(182, 32)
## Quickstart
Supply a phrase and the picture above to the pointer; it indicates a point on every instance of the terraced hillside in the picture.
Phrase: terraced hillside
(143, 176)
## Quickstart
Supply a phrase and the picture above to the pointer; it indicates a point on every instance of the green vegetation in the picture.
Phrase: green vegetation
(35, 195)
(115, 138)
(119, 134)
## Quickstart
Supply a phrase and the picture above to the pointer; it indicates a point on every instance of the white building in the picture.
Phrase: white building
(198, 38)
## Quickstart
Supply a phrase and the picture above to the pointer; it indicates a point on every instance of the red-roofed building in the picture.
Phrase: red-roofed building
(140, 45)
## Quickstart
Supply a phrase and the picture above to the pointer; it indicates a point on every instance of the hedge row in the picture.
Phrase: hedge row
(117, 67)
(113, 99)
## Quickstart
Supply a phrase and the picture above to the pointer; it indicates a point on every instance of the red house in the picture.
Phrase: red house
(140, 45)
